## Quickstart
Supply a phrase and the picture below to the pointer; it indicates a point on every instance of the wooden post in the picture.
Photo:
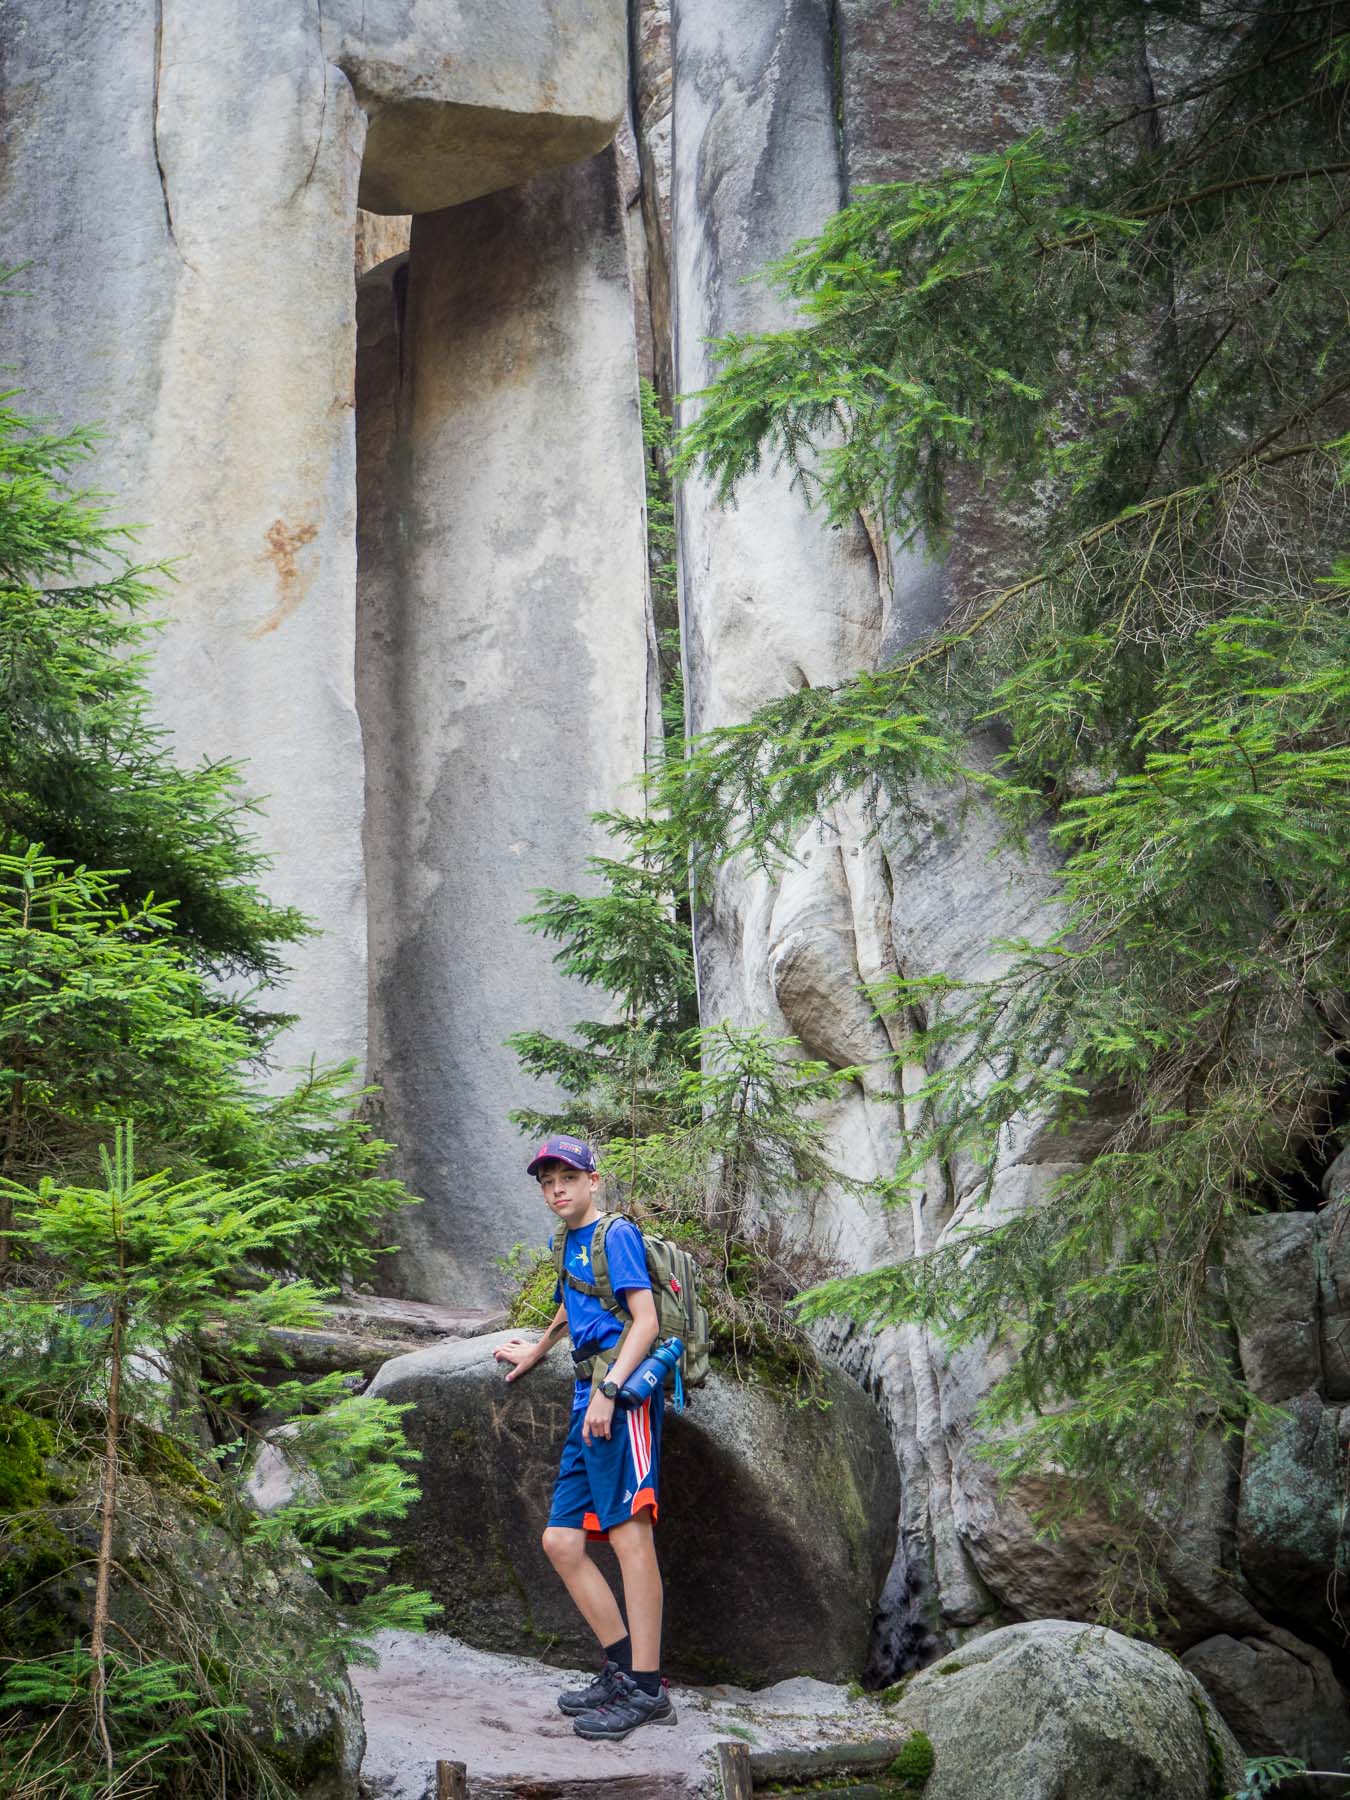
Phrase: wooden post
(733, 1765)
(451, 1781)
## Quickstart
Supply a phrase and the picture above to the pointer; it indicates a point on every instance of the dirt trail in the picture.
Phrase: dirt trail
(432, 1696)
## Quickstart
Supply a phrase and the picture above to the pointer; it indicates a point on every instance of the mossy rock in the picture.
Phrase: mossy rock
(914, 1764)
(171, 1551)
(1052, 1710)
(776, 1531)
(26, 1443)
(1291, 1505)
(532, 1305)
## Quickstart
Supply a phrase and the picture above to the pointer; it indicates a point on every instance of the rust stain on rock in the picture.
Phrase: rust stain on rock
(283, 542)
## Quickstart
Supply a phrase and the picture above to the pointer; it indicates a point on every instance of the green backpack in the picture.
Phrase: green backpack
(679, 1311)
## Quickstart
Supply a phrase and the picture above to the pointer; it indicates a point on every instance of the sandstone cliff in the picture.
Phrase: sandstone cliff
(412, 590)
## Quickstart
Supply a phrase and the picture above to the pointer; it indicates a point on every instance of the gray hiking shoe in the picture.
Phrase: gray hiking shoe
(628, 1709)
(579, 1700)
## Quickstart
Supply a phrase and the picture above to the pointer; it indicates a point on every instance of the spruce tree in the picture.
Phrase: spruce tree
(120, 1288)
(137, 947)
(136, 951)
(1130, 328)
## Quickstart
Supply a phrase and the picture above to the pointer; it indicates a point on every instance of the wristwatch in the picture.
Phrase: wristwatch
(610, 1389)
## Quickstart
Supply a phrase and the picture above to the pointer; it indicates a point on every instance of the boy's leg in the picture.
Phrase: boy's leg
(624, 1478)
(635, 1546)
(570, 1513)
(591, 1594)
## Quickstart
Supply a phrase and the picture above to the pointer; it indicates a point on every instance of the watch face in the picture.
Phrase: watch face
(609, 1389)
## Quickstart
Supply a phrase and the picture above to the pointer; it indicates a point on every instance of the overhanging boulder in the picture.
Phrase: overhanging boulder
(465, 100)
(777, 1526)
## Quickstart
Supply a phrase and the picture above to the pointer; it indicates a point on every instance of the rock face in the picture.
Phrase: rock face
(426, 627)
(466, 100)
(1279, 1696)
(770, 600)
(1057, 1711)
(182, 183)
(187, 219)
(776, 1531)
(650, 51)
(504, 677)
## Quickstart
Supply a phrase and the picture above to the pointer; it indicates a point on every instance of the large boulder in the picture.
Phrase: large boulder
(1280, 1697)
(1059, 1711)
(777, 1527)
(1291, 1515)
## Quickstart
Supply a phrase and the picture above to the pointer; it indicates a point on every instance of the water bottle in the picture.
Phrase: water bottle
(653, 1372)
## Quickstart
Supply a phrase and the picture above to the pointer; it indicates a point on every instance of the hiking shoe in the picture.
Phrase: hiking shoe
(579, 1700)
(628, 1709)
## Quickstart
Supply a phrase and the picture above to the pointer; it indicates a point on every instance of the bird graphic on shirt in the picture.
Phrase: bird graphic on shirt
(583, 1257)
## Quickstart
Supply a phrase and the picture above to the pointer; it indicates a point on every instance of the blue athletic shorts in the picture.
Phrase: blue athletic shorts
(611, 1479)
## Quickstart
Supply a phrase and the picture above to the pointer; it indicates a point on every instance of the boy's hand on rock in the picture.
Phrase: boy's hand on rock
(521, 1353)
(599, 1414)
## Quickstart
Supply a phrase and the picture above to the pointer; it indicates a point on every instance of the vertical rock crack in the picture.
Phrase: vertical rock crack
(154, 125)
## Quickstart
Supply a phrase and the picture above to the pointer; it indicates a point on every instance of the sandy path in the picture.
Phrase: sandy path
(432, 1696)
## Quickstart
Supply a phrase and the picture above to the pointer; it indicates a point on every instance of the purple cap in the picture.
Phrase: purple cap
(567, 1150)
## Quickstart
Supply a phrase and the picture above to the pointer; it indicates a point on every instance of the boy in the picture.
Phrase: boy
(608, 1480)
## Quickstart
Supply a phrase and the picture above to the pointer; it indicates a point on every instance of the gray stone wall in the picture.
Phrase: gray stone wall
(182, 182)
(504, 688)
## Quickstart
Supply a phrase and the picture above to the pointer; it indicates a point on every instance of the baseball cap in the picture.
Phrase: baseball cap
(567, 1150)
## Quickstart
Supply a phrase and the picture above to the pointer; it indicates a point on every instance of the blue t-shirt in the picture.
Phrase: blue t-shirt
(587, 1320)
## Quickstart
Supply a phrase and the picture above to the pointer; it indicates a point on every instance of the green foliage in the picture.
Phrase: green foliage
(1128, 328)
(154, 1715)
(1116, 307)
(915, 1763)
(531, 1282)
(627, 940)
(696, 1126)
(1263, 1774)
(133, 1308)
(128, 895)
(122, 1289)
(656, 444)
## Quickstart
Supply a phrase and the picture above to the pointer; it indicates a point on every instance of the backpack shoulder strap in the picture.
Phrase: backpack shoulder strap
(604, 1288)
(599, 1288)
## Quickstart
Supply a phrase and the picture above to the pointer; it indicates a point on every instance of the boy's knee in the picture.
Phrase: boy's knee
(634, 1538)
(563, 1546)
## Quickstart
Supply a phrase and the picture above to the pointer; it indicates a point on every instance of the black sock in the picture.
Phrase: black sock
(621, 1652)
(649, 1680)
